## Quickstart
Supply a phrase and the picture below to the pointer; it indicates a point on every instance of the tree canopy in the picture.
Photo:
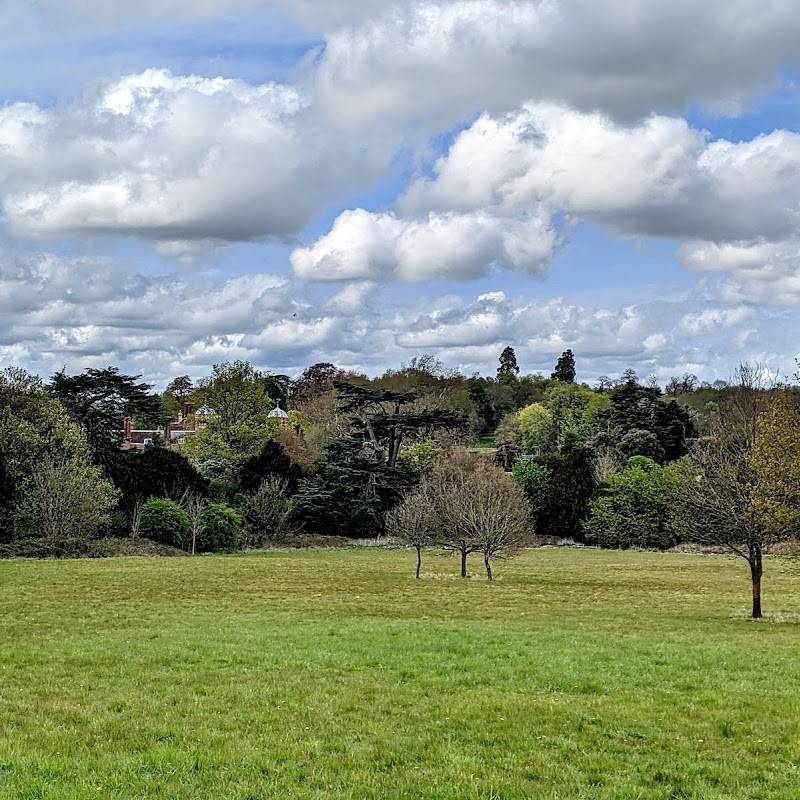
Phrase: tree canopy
(99, 400)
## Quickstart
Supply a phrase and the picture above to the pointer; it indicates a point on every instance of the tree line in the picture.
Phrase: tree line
(473, 464)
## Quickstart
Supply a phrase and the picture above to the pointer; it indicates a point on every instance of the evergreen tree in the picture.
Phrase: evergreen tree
(570, 485)
(349, 492)
(508, 370)
(99, 400)
(272, 461)
(642, 408)
(565, 368)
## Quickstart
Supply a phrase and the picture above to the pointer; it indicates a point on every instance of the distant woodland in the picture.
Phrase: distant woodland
(246, 459)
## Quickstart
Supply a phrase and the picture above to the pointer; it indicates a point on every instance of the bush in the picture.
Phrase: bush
(272, 461)
(266, 514)
(165, 522)
(535, 482)
(636, 508)
(421, 457)
(220, 528)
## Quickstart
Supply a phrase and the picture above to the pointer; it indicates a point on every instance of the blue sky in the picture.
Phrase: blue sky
(186, 182)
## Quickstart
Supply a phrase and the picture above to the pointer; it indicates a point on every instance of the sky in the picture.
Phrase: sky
(186, 182)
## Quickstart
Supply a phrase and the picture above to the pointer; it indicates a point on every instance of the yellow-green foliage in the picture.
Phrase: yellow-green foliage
(238, 441)
(775, 461)
(421, 457)
(574, 408)
(537, 433)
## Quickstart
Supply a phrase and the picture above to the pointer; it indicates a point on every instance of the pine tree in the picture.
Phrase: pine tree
(565, 368)
(508, 370)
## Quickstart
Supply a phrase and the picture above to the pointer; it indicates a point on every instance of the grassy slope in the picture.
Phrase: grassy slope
(311, 674)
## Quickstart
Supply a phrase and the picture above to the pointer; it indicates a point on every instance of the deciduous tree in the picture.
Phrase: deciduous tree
(477, 508)
(68, 503)
(775, 461)
(636, 508)
(266, 514)
(37, 442)
(732, 493)
(414, 522)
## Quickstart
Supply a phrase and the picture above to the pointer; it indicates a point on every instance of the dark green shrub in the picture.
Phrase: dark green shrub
(152, 472)
(636, 508)
(220, 528)
(266, 514)
(535, 482)
(272, 461)
(164, 522)
(223, 491)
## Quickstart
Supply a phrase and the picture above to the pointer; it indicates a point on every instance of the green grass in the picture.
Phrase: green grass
(334, 674)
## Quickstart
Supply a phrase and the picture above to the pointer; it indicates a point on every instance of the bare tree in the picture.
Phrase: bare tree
(193, 505)
(478, 508)
(414, 521)
(499, 517)
(686, 384)
(606, 462)
(136, 517)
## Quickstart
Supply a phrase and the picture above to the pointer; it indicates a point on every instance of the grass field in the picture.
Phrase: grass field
(334, 674)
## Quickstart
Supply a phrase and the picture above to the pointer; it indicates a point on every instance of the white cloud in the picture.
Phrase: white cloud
(713, 320)
(369, 245)
(763, 272)
(351, 298)
(492, 197)
(79, 313)
(657, 178)
(573, 107)
(171, 159)
(443, 60)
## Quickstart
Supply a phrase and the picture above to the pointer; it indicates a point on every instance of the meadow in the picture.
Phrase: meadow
(333, 673)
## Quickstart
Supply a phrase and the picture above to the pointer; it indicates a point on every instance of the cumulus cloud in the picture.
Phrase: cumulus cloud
(351, 298)
(570, 114)
(443, 60)
(171, 159)
(712, 320)
(80, 313)
(762, 272)
(659, 177)
(492, 199)
(370, 245)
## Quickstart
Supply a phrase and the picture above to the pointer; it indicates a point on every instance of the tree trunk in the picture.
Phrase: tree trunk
(419, 560)
(488, 564)
(756, 570)
(463, 562)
